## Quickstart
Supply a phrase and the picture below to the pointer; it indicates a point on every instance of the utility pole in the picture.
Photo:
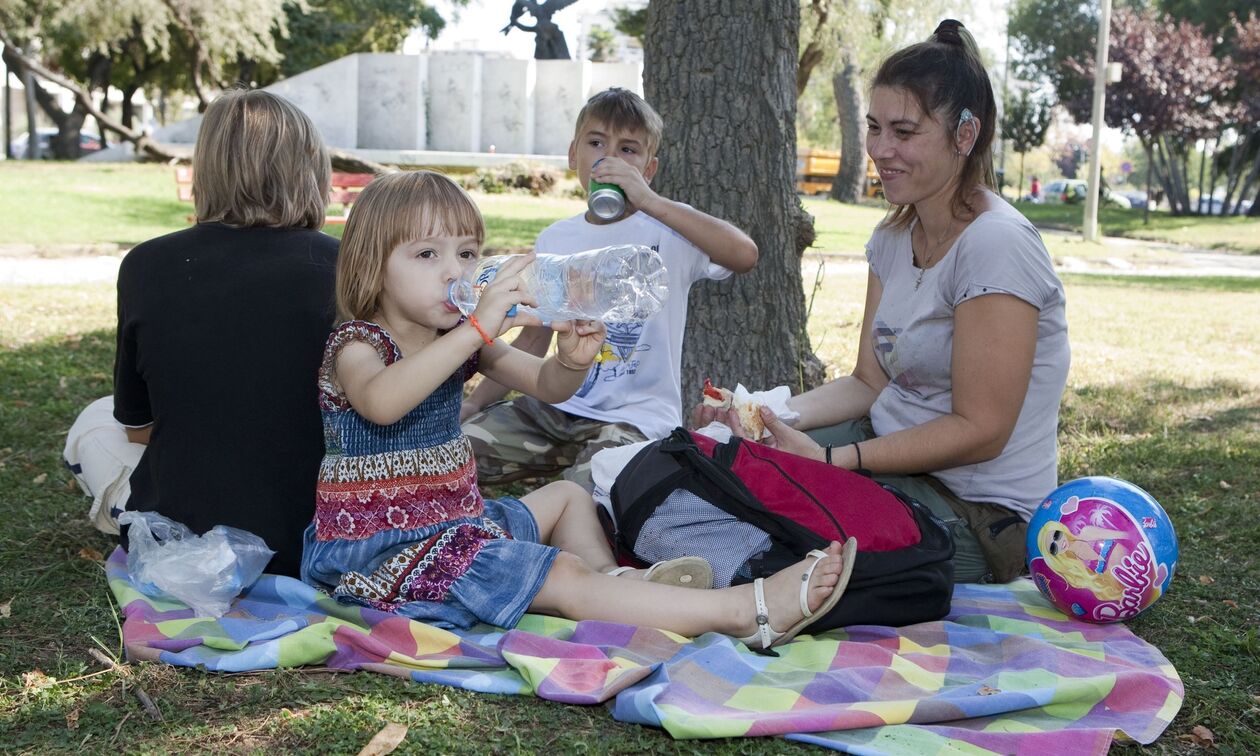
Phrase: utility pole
(1090, 225)
(1006, 75)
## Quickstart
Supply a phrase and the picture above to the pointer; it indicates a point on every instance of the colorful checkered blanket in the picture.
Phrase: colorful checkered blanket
(1004, 672)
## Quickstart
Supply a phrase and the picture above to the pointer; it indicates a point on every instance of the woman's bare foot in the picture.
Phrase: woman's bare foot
(783, 591)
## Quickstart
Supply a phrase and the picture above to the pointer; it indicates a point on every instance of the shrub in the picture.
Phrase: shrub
(514, 177)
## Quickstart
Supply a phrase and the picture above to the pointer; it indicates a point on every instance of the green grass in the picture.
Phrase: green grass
(1232, 234)
(1163, 391)
(53, 204)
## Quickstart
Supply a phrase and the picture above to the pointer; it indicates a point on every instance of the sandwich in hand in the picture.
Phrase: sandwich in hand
(749, 412)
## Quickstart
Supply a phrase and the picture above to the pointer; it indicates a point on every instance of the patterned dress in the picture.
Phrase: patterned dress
(400, 524)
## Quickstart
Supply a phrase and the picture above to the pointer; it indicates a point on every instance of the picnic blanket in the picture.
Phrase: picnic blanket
(1005, 672)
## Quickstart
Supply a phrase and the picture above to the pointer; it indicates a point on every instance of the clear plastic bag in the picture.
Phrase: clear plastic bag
(206, 572)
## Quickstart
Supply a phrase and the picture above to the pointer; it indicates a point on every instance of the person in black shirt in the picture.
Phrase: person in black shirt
(221, 328)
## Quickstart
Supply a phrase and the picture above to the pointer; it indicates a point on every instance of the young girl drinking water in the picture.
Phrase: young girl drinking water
(400, 524)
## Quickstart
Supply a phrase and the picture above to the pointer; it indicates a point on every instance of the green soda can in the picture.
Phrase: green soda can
(606, 201)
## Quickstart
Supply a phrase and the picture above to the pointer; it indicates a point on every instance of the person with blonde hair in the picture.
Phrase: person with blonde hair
(400, 523)
(220, 328)
(1083, 559)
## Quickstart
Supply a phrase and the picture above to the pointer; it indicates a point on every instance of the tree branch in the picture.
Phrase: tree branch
(812, 55)
(142, 142)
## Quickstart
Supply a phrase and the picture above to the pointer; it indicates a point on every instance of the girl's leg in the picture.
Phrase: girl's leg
(566, 519)
(575, 591)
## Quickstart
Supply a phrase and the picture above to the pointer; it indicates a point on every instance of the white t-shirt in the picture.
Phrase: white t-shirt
(1000, 252)
(639, 377)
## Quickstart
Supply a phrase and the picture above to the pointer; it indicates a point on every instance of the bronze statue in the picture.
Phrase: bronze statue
(549, 41)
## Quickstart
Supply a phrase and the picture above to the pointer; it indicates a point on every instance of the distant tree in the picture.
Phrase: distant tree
(187, 45)
(1046, 34)
(1215, 16)
(602, 44)
(1025, 120)
(1242, 181)
(631, 21)
(81, 43)
(320, 31)
(1174, 91)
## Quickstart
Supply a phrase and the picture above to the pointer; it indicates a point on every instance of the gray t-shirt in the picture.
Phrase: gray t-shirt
(1000, 252)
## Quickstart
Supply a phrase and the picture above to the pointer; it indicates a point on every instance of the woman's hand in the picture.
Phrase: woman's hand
(506, 291)
(784, 437)
(579, 342)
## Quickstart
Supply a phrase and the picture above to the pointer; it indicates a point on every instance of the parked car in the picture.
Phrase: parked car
(87, 143)
(1136, 197)
(1215, 205)
(1074, 191)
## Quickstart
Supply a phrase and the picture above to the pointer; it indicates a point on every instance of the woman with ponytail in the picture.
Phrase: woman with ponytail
(963, 354)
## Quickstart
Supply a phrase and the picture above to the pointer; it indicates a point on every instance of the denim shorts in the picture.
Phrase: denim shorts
(489, 568)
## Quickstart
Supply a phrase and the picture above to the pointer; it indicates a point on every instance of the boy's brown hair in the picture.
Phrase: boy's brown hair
(394, 209)
(623, 110)
(259, 161)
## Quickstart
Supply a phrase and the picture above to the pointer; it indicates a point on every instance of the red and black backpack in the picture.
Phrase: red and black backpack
(904, 570)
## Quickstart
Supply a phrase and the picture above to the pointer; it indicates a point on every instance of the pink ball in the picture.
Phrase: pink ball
(1101, 549)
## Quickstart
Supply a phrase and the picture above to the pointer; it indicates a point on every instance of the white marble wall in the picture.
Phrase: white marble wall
(452, 102)
(392, 96)
(624, 75)
(328, 94)
(507, 105)
(562, 90)
(455, 102)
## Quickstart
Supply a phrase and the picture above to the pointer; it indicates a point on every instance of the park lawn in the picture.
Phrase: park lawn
(1163, 391)
(1231, 234)
(53, 204)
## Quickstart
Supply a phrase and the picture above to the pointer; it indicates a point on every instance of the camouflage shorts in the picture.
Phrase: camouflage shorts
(525, 438)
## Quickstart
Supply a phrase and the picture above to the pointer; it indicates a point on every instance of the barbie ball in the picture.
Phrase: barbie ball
(1101, 549)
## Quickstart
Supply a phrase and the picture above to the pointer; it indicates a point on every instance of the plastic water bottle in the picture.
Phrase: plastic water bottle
(613, 284)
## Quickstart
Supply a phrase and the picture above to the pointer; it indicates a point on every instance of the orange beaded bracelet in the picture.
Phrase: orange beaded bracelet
(472, 320)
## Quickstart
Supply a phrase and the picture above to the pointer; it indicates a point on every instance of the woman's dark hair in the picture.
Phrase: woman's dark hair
(945, 75)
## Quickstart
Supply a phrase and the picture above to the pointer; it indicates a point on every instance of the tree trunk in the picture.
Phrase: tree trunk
(847, 86)
(722, 73)
(1202, 162)
(1150, 173)
(814, 51)
(128, 109)
(1251, 181)
(32, 128)
(1233, 174)
(1213, 174)
(1019, 190)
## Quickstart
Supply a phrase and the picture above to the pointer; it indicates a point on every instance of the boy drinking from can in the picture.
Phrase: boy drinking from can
(633, 392)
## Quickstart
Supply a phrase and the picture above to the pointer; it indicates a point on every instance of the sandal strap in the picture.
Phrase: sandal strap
(765, 633)
(818, 556)
(615, 571)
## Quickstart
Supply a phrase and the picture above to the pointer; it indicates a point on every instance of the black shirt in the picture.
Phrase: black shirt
(220, 334)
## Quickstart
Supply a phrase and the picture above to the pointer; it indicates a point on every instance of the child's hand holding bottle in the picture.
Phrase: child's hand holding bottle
(578, 342)
(496, 309)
